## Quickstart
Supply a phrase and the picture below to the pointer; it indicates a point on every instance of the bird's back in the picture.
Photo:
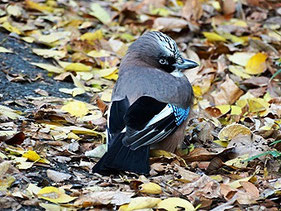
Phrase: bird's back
(137, 81)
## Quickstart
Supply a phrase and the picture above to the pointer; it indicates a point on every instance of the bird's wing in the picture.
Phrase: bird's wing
(116, 122)
(149, 121)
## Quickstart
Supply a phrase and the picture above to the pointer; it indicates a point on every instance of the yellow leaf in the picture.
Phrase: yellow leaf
(238, 162)
(230, 131)
(8, 113)
(76, 108)
(53, 37)
(31, 155)
(78, 67)
(4, 167)
(53, 207)
(197, 91)
(91, 36)
(236, 184)
(223, 108)
(74, 92)
(159, 153)
(112, 76)
(267, 97)
(174, 204)
(97, 54)
(39, 7)
(106, 95)
(10, 28)
(233, 38)
(22, 163)
(3, 156)
(160, 11)
(256, 64)
(239, 71)
(5, 50)
(73, 136)
(218, 178)
(28, 39)
(14, 10)
(240, 58)
(100, 13)
(142, 203)
(238, 22)
(213, 37)
(49, 53)
(150, 188)
(221, 143)
(33, 189)
(6, 182)
(50, 68)
(235, 110)
(257, 104)
(54, 195)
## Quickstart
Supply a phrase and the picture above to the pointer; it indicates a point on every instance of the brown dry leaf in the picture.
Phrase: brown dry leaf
(250, 189)
(192, 10)
(104, 198)
(203, 187)
(231, 131)
(229, 7)
(249, 144)
(199, 154)
(169, 24)
(228, 94)
(186, 175)
(57, 176)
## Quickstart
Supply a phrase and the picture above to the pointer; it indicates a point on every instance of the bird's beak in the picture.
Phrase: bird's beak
(186, 64)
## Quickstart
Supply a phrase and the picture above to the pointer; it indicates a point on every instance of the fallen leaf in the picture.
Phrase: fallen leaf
(213, 37)
(5, 50)
(231, 131)
(57, 176)
(54, 195)
(256, 64)
(49, 53)
(240, 58)
(174, 204)
(150, 188)
(78, 67)
(100, 13)
(228, 93)
(142, 203)
(50, 68)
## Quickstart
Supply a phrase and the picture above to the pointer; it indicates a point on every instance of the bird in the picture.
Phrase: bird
(150, 104)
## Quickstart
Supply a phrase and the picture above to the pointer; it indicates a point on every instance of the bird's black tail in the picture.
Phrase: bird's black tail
(120, 158)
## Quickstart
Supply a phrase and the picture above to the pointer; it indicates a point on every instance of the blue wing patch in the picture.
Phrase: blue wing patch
(180, 113)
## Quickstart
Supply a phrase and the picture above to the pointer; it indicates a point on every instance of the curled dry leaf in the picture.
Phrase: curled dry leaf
(228, 92)
(150, 188)
(231, 131)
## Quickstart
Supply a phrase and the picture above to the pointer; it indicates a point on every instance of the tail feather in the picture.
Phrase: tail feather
(121, 158)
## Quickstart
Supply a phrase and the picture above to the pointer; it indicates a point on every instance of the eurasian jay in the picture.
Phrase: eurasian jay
(150, 104)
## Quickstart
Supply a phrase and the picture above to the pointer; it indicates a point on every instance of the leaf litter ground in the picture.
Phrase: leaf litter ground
(53, 105)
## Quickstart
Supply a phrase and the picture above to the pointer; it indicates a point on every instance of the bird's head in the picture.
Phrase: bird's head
(160, 51)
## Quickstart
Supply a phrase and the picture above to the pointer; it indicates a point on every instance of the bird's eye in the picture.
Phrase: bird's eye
(163, 61)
